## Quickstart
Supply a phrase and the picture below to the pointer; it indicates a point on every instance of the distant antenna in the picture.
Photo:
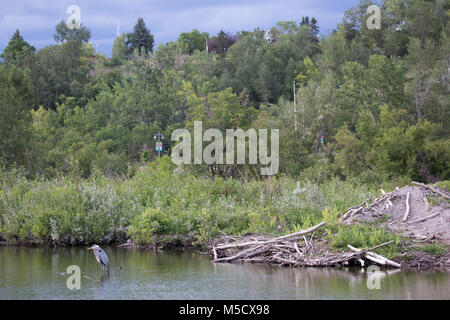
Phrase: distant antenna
(295, 100)
(295, 107)
(118, 30)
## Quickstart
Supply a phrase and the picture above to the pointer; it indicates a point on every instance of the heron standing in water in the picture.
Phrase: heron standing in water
(101, 257)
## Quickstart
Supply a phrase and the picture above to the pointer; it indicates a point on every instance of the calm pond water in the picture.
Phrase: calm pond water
(34, 273)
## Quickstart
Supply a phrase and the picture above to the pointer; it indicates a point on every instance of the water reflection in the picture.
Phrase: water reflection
(35, 273)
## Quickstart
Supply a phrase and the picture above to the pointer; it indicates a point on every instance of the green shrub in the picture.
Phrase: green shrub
(364, 237)
(151, 222)
(436, 249)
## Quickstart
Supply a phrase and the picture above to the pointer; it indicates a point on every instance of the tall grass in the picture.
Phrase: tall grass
(158, 202)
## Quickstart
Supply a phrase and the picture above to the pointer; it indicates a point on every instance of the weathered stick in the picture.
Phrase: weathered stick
(284, 261)
(240, 254)
(425, 200)
(407, 207)
(431, 189)
(389, 262)
(375, 257)
(351, 212)
(297, 249)
(425, 218)
(244, 244)
(215, 253)
(352, 209)
(376, 260)
(388, 203)
(379, 245)
(345, 215)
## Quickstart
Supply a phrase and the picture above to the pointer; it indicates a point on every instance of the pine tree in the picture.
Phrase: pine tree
(313, 25)
(17, 50)
(140, 38)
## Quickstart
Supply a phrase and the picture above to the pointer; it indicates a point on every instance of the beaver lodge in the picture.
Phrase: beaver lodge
(406, 212)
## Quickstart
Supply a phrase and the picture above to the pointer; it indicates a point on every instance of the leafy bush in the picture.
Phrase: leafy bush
(364, 237)
(436, 249)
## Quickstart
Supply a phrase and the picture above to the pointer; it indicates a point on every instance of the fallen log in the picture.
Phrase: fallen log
(296, 234)
(215, 253)
(297, 249)
(407, 207)
(374, 257)
(431, 189)
(425, 218)
(245, 252)
(389, 262)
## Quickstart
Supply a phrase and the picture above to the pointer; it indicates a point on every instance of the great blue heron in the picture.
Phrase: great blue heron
(101, 257)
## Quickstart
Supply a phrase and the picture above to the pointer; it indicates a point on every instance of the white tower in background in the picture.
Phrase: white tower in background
(118, 30)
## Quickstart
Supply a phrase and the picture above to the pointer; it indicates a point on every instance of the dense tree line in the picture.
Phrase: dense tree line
(370, 103)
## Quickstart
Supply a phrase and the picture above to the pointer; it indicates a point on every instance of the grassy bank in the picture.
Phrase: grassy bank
(157, 204)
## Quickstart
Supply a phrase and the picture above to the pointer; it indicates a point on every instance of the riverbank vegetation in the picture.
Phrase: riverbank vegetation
(158, 204)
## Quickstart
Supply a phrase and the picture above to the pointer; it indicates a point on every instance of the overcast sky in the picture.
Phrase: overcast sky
(36, 19)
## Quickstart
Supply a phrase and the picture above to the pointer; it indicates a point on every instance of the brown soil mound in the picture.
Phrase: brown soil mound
(428, 216)
(425, 260)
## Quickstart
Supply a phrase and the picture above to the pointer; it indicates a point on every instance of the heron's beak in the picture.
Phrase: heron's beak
(89, 248)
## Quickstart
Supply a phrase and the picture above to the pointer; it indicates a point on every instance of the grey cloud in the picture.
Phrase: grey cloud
(165, 18)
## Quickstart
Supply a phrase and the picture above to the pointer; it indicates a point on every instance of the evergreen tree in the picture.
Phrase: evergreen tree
(313, 25)
(140, 38)
(17, 50)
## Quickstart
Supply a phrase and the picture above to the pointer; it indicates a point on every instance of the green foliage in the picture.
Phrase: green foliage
(191, 41)
(158, 202)
(437, 249)
(66, 34)
(391, 147)
(364, 237)
(60, 71)
(18, 52)
(151, 222)
(50, 210)
(16, 101)
(141, 38)
(378, 98)
(119, 50)
(444, 185)
(310, 72)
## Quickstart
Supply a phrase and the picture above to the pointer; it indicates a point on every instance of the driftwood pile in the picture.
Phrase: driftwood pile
(374, 208)
(308, 248)
(296, 250)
